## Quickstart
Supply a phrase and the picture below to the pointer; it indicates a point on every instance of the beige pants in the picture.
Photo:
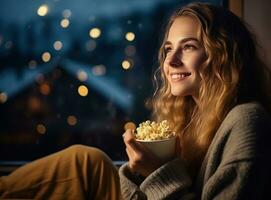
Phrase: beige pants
(78, 172)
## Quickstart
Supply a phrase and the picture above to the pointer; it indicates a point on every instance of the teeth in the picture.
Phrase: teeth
(179, 75)
(176, 75)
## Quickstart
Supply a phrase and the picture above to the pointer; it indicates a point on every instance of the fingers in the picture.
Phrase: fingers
(130, 142)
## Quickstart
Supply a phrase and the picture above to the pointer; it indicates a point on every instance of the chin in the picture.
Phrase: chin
(177, 93)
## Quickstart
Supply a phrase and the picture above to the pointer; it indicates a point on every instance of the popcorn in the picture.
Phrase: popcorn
(150, 130)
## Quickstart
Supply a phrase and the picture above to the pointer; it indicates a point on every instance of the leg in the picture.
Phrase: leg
(78, 172)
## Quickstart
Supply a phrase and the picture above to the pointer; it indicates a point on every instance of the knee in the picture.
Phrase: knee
(92, 153)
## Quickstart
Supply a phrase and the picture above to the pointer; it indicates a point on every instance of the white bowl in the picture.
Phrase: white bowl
(163, 149)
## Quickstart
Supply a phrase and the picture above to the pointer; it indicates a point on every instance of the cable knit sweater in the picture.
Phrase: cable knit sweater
(236, 165)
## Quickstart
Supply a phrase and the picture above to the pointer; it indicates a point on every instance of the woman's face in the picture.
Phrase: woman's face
(184, 55)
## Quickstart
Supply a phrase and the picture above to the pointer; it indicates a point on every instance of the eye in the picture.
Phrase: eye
(167, 49)
(189, 47)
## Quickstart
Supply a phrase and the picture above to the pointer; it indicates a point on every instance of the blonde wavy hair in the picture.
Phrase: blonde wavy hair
(231, 74)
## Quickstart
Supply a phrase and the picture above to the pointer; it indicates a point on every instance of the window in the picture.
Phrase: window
(76, 72)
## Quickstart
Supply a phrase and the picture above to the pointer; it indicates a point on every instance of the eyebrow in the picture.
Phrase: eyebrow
(183, 40)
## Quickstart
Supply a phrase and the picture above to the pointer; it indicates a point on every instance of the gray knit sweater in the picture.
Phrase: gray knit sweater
(236, 166)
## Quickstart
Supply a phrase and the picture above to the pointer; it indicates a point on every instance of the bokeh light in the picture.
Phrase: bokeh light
(130, 36)
(64, 23)
(3, 97)
(45, 89)
(129, 125)
(58, 45)
(46, 57)
(71, 120)
(43, 10)
(41, 129)
(99, 70)
(83, 90)
(82, 75)
(95, 32)
(34, 104)
(126, 64)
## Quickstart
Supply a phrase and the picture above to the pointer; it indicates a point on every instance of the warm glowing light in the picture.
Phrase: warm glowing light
(64, 23)
(83, 90)
(95, 33)
(32, 64)
(130, 50)
(45, 89)
(99, 70)
(41, 129)
(129, 125)
(82, 75)
(66, 13)
(3, 97)
(130, 36)
(42, 10)
(34, 104)
(126, 64)
(46, 57)
(58, 45)
(71, 120)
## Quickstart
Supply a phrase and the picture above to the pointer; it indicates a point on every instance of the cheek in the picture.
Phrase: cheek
(165, 70)
(197, 62)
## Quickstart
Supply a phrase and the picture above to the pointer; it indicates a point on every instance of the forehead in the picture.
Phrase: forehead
(184, 27)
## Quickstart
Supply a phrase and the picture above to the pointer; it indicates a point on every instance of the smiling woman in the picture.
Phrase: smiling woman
(184, 54)
(213, 90)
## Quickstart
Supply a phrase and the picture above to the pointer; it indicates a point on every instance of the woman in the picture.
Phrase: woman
(213, 90)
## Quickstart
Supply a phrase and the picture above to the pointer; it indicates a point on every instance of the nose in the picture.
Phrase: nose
(175, 59)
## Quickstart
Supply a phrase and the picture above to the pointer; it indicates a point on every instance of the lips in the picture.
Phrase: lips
(179, 76)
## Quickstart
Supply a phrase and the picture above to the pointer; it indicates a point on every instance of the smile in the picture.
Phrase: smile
(179, 76)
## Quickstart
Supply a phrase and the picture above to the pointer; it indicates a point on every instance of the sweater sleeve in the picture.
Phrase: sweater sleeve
(170, 181)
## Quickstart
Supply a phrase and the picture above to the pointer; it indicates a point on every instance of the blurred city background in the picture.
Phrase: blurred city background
(76, 72)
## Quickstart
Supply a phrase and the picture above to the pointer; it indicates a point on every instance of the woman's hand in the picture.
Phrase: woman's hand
(141, 159)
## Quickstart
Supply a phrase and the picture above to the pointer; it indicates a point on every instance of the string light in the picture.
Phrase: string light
(130, 36)
(65, 23)
(41, 129)
(99, 70)
(45, 89)
(82, 75)
(3, 97)
(34, 104)
(58, 45)
(43, 10)
(130, 125)
(71, 120)
(46, 57)
(83, 90)
(126, 64)
(95, 32)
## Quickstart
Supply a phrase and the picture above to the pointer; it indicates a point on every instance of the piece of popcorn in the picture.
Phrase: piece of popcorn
(150, 130)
